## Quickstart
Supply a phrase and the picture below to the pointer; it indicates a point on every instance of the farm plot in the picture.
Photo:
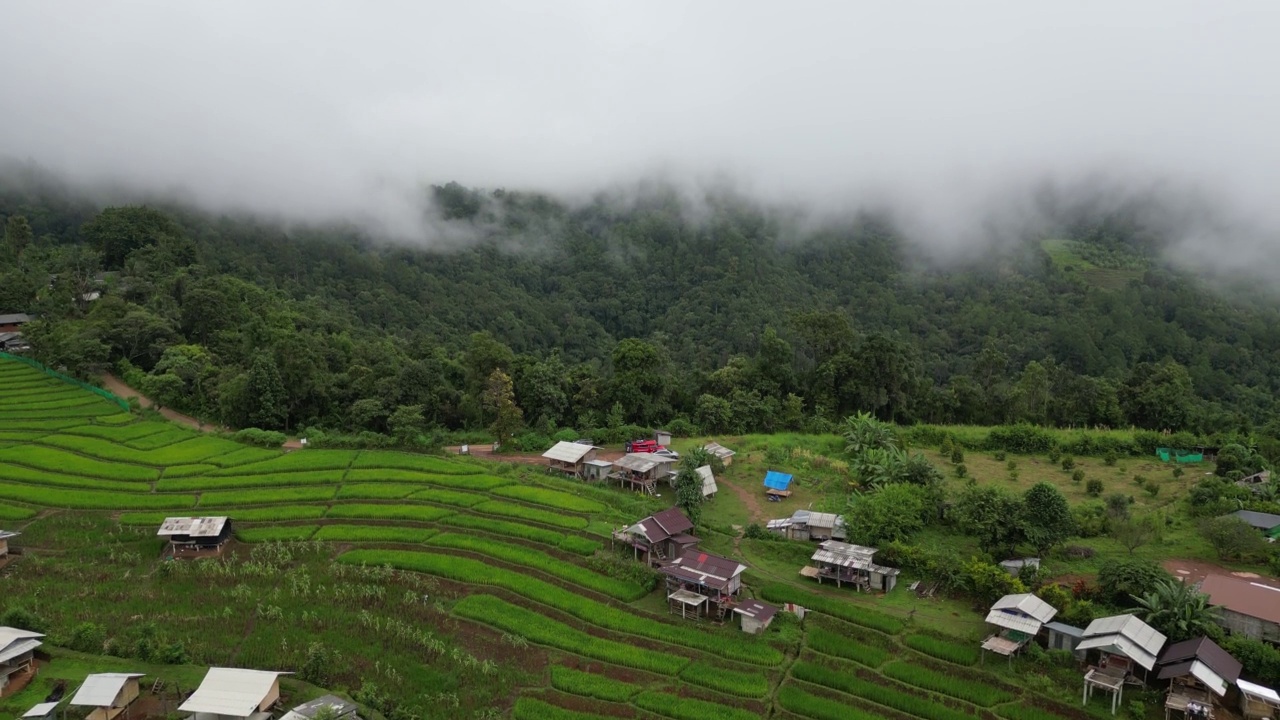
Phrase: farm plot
(62, 461)
(295, 461)
(374, 533)
(306, 477)
(13, 512)
(266, 496)
(576, 682)
(795, 700)
(154, 441)
(19, 473)
(942, 649)
(406, 461)
(957, 687)
(279, 513)
(119, 433)
(843, 646)
(779, 593)
(900, 698)
(528, 708)
(683, 708)
(520, 512)
(91, 409)
(545, 631)
(550, 498)
(463, 482)
(92, 499)
(277, 533)
(375, 491)
(734, 682)
(569, 543)
(417, 513)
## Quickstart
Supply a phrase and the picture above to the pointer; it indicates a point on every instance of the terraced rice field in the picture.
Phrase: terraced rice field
(497, 556)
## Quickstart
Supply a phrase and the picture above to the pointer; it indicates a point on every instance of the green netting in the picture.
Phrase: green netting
(1182, 456)
(67, 379)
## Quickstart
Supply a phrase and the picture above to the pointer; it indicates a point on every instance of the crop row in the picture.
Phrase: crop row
(119, 433)
(268, 514)
(1021, 711)
(47, 424)
(18, 473)
(277, 533)
(734, 682)
(164, 438)
(550, 498)
(185, 452)
(545, 631)
(470, 481)
(902, 700)
(374, 533)
(418, 513)
(294, 461)
(309, 477)
(779, 593)
(830, 643)
(91, 409)
(536, 560)
(569, 543)
(576, 682)
(520, 512)
(266, 496)
(408, 461)
(21, 435)
(795, 700)
(115, 417)
(963, 688)
(62, 461)
(93, 499)
(605, 616)
(528, 708)
(181, 471)
(13, 512)
(947, 650)
(683, 708)
(45, 402)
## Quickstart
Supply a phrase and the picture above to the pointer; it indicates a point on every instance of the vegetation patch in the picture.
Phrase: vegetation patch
(831, 643)
(17, 473)
(92, 499)
(311, 477)
(795, 700)
(733, 682)
(61, 461)
(902, 700)
(374, 533)
(576, 682)
(568, 543)
(155, 441)
(242, 456)
(550, 498)
(267, 514)
(13, 512)
(374, 491)
(465, 482)
(952, 652)
(779, 593)
(266, 497)
(119, 433)
(407, 461)
(683, 708)
(528, 708)
(419, 513)
(963, 688)
(277, 533)
(297, 460)
(545, 631)
(520, 512)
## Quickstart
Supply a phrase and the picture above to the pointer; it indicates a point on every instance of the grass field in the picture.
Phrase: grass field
(450, 588)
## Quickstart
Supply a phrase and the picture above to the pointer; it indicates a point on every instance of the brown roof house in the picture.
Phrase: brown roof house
(1198, 671)
(659, 537)
(700, 584)
(1249, 607)
(755, 616)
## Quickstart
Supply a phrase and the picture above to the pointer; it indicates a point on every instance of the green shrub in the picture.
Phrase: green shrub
(545, 631)
(733, 682)
(1111, 458)
(957, 456)
(961, 470)
(952, 652)
(1055, 454)
(576, 682)
(1094, 487)
(1068, 462)
(957, 687)
(1023, 439)
(1077, 476)
(261, 438)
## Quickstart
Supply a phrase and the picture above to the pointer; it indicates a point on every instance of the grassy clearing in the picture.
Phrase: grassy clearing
(733, 682)
(732, 646)
(13, 512)
(942, 649)
(550, 498)
(569, 543)
(464, 482)
(277, 533)
(901, 700)
(419, 513)
(779, 593)
(683, 708)
(528, 708)
(962, 688)
(62, 461)
(298, 460)
(576, 682)
(520, 512)
(537, 560)
(312, 477)
(18, 473)
(266, 497)
(407, 461)
(374, 533)
(269, 514)
(843, 646)
(545, 631)
(92, 499)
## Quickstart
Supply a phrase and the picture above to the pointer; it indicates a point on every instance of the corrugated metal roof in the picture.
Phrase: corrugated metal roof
(101, 689)
(1243, 596)
(6, 534)
(708, 481)
(1263, 521)
(775, 480)
(12, 318)
(844, 555)
(192, 526)
(1255, 690)
(599, 463)
(308, 710)
(231, 691)
(635, 463)
(756, 610)
(1065, 629)
(41, 710)
(15, 642)
(823, 520)
(1014, 621)
(1125, 635)
(1028, 605)
(569, 452)
(779, 524)
(718, 450)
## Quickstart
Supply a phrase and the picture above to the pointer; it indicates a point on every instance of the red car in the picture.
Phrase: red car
(643, 446)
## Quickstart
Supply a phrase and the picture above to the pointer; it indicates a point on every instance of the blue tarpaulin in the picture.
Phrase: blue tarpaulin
(776, 481)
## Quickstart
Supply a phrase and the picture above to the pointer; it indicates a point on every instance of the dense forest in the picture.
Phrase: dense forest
(602, 314)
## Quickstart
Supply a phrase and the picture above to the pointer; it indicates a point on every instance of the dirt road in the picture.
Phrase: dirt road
(1197, 570)
(117, 387)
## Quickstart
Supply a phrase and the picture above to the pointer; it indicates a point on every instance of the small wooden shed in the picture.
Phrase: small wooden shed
(191, 535)
(1258, 702)
(569, 458)
(4, 543)
(755, 616)
(720, 451)
(109, 694)
(850, 564)
(17, 657)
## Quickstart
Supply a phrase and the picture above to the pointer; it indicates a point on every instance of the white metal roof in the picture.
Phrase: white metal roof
(1211, 679)
(1125, 635)
(822, 520)
(569, 452)
(1265, 693)
(779, 524)
(192, 526)
(15, 642)
(101, 689)
(636, 462)
(718, 450)
(341, 708)
(708, 481)
(40, 710)
(1028, 605)
(844, 554)
(231, 691)
(687, 597)
(599, 463)
(6, 534)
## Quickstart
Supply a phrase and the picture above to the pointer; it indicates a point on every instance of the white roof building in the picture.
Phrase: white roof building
(234, 693)
(342, 709)
(1124, 635)
(708, 481)
(719, 450)
(568, 452)
(192, 526)
(42, 710)
(1023, 613)
(109, 693)
(15, 642)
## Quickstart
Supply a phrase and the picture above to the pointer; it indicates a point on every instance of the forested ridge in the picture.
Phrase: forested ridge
(549, 316)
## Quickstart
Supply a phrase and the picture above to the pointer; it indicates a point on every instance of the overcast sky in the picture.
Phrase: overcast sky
(337, 108)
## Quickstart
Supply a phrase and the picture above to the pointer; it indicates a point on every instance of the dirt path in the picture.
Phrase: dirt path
(755, 509)
(117, 387)
(1197, 570)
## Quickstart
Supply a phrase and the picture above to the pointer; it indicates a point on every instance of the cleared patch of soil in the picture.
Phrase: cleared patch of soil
(1197, 570)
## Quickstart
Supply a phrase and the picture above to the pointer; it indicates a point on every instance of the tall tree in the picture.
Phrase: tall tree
(266, 393)
(688, 486)
(118, 231)
(1046, 516)
(500, 404)
(17, 235)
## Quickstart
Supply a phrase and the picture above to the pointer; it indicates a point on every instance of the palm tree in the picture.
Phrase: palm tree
(1176, 609)
(862, 432)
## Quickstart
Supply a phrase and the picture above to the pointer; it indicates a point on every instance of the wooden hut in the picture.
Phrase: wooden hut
(755, 616)
(5, 535)
(228, 693)
(1199, 673)
(850, 564)
(569, 458)
(1019, 619)
(195, 535)
(109, 694)
(595, 470)
(17, 658)
(700, 584)
(809, 525)
(1258, 702)
(659, 537)
(1127, 650)
(642, 471)
(720, 451)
